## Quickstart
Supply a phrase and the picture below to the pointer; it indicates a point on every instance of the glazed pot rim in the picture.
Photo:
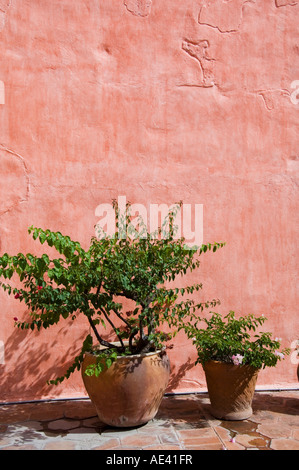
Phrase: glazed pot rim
(128, 356)
(213, 361)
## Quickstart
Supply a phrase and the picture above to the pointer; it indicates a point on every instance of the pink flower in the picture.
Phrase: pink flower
(279, 354)
(39, 287)
(237, 359)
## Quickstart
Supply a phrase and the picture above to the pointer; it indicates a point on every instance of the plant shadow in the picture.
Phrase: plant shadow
(32, 358)
(276, 402)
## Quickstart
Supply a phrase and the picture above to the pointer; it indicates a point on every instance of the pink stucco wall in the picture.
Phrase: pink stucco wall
(158, 101)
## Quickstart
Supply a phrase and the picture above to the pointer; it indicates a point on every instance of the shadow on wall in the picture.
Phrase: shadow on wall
(32, 358)
(178, 375)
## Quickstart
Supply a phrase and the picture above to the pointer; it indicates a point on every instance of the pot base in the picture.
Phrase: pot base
(233, 415)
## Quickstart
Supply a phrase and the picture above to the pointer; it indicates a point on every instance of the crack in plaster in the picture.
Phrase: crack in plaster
(27, 179)
(271, 97)
(138, 7)
(4, 7)
(285, 3)
(199, 51)
(226, 16)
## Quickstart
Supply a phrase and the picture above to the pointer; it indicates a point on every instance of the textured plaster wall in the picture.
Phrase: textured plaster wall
(158, 101)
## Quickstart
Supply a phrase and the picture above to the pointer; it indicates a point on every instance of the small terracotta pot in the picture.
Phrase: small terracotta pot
(231, 389)
(130, 392)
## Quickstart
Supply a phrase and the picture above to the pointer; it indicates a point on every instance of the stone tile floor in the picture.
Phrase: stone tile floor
(183, 423)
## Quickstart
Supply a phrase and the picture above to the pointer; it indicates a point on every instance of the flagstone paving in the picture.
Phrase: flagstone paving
(183, 423)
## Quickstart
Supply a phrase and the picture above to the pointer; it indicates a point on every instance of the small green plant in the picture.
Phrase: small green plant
(234, 340)
(93, 282)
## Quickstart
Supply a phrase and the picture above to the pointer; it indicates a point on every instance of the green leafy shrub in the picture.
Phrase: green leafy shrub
(234, 340)
(92, 282)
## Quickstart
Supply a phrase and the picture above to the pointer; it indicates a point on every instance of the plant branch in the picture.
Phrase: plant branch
(100, 340)
(113, 326)
(132, 336)
(121, 317)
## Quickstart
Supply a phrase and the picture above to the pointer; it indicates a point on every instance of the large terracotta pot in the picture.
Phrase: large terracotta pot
(130, 392)
(231, 389)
